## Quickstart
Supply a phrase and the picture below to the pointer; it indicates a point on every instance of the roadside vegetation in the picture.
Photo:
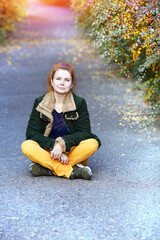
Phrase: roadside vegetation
(11, 12)
(126, 32)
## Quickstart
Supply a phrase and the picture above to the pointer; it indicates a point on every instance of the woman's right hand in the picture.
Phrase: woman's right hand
(56, 152)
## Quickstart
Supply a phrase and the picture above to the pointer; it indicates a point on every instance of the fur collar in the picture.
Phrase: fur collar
(48, 103)
(46, 107)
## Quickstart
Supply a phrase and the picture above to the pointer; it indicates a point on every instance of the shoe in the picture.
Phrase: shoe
(37, 170)
(82, 172)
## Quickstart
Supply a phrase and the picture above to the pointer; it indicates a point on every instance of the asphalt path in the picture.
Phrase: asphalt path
(122, 201)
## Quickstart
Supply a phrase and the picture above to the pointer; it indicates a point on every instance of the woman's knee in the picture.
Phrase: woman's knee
(94, 144)
(91, 143)
(26, 146)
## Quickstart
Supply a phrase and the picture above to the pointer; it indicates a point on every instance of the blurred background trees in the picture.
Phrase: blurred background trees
(56, 2)
(11, 11)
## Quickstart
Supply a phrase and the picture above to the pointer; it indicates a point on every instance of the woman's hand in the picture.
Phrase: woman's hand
(56, 152)
(63, 159)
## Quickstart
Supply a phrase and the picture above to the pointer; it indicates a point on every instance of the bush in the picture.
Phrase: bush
(56, 2)
(11, 11)
(126, 32)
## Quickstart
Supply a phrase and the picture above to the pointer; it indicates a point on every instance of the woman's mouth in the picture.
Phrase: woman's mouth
(61, 88)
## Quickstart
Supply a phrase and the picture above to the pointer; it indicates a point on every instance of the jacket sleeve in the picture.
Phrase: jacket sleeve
(82, 129)
(35, 130)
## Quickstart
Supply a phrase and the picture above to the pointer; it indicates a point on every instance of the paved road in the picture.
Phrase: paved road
(122, 202)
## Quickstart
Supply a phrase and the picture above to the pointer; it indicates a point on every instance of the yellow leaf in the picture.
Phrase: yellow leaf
(91, 56)
(9, 61)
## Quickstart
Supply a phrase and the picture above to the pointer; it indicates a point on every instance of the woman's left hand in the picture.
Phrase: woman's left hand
(56, 152)
(64, 159)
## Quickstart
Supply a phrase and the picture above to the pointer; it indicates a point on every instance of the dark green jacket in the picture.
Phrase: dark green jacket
(75, 117)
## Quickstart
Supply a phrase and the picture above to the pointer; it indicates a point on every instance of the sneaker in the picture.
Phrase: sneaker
(82, 172)
(37, 170)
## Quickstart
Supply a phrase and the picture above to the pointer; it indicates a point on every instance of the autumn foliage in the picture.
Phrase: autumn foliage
(11, 11)
(56, 2)
(126, 32)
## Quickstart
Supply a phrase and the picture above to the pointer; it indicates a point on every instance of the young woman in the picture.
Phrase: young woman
(59, 138)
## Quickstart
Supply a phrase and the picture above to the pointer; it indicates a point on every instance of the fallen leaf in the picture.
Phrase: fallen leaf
(89, 66)
(9, 61)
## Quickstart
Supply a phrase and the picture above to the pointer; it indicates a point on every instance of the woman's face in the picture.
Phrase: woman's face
(62, 81)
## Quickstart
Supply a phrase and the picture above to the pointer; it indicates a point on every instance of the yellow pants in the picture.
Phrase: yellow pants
(78, 154)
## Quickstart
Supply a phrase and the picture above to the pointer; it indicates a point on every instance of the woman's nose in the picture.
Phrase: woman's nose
(62, 82)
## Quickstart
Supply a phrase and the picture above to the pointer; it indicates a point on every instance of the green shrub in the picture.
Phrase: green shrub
(11, 11)
(126, 32)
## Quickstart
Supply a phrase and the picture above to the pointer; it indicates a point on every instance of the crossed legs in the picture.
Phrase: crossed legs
(77, 154)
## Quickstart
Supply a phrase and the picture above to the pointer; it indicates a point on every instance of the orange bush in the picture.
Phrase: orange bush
(11, 11)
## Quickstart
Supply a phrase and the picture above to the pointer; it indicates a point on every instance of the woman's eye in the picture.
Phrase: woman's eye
(67, 80)
(58, 79)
